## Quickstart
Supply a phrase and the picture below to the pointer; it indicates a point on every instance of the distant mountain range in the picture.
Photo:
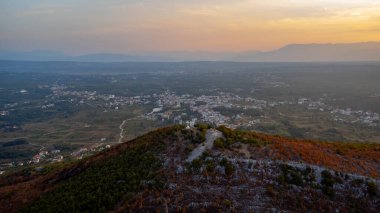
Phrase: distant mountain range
(47, 55)
(368, 51)
(365, 51)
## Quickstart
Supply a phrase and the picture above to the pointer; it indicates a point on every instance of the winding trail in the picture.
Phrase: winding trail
(121, 137)
(211, 135)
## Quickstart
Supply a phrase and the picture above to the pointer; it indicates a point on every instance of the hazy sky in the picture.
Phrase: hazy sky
(84, 26)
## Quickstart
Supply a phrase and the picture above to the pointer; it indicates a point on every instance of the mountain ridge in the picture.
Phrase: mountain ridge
(363, 51)
(314, 52)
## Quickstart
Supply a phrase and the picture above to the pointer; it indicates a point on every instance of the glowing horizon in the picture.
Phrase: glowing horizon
(178, 25)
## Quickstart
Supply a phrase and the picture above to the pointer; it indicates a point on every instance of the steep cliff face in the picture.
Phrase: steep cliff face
(179, 169)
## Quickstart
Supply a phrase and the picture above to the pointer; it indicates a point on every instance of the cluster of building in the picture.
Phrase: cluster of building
(347, 115)
(46, 156)
(54, 156)
(109, 101)
(201, 108)
(4, 113)
(43, 156)
(86, 151)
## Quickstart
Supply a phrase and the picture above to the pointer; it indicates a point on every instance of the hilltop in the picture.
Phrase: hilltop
(203, 168)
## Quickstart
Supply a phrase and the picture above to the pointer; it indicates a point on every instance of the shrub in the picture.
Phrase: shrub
(290, 175)
(219, 143)
(210, 166)
(233, 136)
(228, 167)
(270, 191)
(327, 179)
(202, 126)
(296, 179)
(372, 188)
(329, 191)
(328, 182)
(227, 203)
(196, 164)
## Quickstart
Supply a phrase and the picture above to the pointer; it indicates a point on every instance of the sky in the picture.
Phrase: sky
(136, 26)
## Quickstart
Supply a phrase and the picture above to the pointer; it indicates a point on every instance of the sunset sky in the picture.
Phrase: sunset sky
(132, 26)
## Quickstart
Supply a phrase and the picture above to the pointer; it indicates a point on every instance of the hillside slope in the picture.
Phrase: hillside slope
(172, 169)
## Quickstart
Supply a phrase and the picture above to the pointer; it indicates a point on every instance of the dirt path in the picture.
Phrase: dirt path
(121, 135)
(211, 135)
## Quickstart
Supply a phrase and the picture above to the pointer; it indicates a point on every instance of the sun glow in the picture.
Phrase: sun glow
(223, 25)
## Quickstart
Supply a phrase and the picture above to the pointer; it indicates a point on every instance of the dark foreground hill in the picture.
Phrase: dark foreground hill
(191, 170)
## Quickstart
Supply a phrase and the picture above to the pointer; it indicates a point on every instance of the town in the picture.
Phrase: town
(222, 108)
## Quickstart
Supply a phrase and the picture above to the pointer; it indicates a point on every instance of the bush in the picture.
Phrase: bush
(228, 167)
(372, 188)
(270, 191)
(189, 148)
(196, 164)
(328, 182)
(202, 126)
(233, 136)
(290, 175)
(227, 203)
(219, 143)
(296, 179)
(210, 166)
(327, 179)
(329, 191)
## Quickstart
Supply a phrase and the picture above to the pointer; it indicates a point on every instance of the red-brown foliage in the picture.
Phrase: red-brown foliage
(357, 158)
